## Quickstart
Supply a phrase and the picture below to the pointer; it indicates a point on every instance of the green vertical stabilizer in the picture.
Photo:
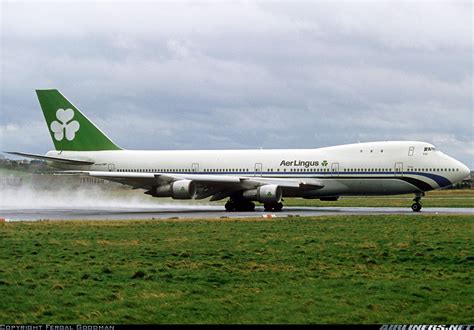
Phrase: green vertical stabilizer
(69, 128)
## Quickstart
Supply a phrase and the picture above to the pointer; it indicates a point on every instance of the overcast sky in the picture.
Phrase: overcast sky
(243, 74)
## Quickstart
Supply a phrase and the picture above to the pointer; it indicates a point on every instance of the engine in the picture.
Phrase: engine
(181, 189)
(270, 193)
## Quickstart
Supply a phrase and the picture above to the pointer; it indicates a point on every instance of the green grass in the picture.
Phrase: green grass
(348, 269)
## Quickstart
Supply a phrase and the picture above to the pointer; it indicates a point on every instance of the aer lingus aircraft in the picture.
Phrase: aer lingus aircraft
(245, 176)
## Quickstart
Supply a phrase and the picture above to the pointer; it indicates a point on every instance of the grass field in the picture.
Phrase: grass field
(348, 269)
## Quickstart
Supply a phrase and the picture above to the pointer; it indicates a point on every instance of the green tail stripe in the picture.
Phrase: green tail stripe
(69, 128)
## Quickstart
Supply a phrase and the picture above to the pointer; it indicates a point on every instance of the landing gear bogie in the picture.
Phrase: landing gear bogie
(275, 207)
(240, 205)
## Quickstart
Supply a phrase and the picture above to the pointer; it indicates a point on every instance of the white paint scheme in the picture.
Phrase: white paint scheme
(376, 168)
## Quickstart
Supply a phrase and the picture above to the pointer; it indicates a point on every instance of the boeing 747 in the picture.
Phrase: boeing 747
(246, 176)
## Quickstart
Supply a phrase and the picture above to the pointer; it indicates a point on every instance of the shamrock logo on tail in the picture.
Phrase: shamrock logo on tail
(66, 126)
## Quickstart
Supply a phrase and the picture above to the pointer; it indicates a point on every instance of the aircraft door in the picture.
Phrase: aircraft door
(111, 167)
(258, 169)
(195, 167)
(398, 169)
(335, 169)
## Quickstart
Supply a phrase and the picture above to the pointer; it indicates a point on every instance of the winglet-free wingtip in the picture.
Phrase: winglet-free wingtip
(10, 152)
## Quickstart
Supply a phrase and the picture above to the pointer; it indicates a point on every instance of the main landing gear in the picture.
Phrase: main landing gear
(276, 207)
(244, 205)
(239, 205)
(416, 206)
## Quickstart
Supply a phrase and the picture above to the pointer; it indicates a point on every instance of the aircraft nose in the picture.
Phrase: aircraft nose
(465, 171)
(462, 171)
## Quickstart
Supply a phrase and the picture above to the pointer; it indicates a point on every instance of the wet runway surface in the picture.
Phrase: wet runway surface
(188, 212)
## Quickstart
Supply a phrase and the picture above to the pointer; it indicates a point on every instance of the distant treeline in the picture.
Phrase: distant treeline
(37, 174)
(24, 165)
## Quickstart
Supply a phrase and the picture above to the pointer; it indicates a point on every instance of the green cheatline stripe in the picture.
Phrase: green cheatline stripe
(69, 128)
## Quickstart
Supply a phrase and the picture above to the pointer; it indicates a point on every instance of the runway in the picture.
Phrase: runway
(200, 212)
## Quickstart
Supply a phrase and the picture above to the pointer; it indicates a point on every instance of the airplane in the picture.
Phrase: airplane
(245, 176)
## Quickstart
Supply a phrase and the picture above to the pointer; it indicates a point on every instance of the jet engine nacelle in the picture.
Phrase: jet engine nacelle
(270, 193)
(181, 189)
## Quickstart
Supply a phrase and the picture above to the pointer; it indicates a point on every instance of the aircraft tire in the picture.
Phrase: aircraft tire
(267, 207)
(416, 207)
(240, 206)
(245, 206)
(276, 207)
(229, 206)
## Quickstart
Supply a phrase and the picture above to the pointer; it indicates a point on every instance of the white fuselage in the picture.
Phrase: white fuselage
(375, 168)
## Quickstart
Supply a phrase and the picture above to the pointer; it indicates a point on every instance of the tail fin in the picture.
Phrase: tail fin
(69, 128)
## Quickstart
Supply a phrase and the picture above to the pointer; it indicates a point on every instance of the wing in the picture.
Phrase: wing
(218, 186)
(54, 159)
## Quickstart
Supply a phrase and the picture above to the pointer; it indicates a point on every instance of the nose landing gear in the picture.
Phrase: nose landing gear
(416, 206)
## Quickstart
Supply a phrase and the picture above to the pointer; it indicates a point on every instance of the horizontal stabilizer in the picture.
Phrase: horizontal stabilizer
(54, 159)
